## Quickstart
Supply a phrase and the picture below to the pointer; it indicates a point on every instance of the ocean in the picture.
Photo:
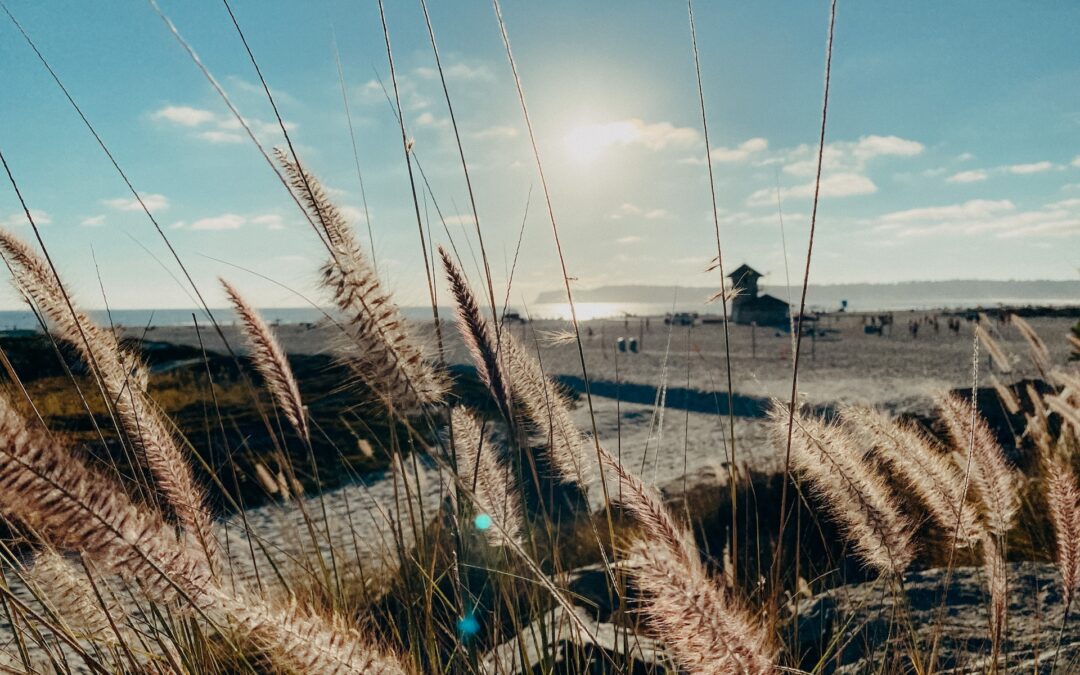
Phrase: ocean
(19, 320)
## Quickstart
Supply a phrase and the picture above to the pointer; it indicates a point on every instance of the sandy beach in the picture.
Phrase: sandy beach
(687, 366)
(663, 409)
(844, 364)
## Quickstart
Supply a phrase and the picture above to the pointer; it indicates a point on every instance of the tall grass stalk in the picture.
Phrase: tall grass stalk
(480, 549)
(792, 399)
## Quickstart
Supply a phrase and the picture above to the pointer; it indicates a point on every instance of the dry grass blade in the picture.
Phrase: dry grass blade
(851, 489)
(73, 507)
(996, 579)
(1067, 379)
(1038, 427)
(1063, 500)
(725, 294)
(92, 611)
(76, 508)
(993, 477)
(309, 191)
(545, 406)
(703, 630)
(383, 354)
(1000, 358)
(69, 591)
(266, 479)
(1062, 404)
(556, 338)
(1040, 354)
(1006, 395)
(487, 478)
(411, 510)
(647, 507)
(270, 361)
(137, 414)
(1074, 342)
(477, 335)
(931, 475)
(308, 643)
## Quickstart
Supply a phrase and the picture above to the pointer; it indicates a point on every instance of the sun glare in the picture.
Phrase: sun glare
(586, 142)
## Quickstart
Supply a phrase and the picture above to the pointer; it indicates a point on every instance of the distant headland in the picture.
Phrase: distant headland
(859, 296)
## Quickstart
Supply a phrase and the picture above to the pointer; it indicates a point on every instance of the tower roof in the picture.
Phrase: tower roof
(744, 271)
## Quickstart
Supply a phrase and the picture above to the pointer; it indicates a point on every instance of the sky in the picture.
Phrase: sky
(952, 146)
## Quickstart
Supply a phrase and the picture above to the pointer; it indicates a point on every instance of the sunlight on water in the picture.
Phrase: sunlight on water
(614, 310)
(585, 310)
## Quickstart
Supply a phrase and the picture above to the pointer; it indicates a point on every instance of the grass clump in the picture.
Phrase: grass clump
(511, 539)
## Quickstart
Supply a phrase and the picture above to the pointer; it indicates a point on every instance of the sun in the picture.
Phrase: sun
(586, 142)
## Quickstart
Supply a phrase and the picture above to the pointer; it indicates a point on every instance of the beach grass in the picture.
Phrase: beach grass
(188, 510)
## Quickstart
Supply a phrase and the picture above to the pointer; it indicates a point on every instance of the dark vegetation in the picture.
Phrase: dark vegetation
(218, 404)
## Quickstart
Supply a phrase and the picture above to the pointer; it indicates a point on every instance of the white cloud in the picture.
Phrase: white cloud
(372, 93)
(18, 218)
(976, 208)
(256, 89)
(741, 153)
(979, 175)
(460, 219)
(848, 156)
(834, 185)
(93, 221)
(965, 157)
(628, 210)
(272, 221)
(456, 71)
(497, 133)
(843, 167)
(215, 128)
(184, 115)
(234, 221)
(1035, 167)
(426, 119)
(769, 219)
(588, 140)
(998, 218)
(218, 136)
(871, 146)
(293, 258)
(629, 239)
(226, 221)
(420, 88)
(352, 214)
(974, 176)
(154, 202)
(1039, 224)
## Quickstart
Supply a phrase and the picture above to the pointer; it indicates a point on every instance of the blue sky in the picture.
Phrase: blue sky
(952, 148)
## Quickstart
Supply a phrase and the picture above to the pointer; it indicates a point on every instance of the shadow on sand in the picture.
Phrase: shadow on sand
(677, 398)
